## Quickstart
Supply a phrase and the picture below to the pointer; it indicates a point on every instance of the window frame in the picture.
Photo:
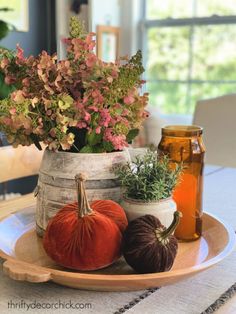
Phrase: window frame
(146, 24)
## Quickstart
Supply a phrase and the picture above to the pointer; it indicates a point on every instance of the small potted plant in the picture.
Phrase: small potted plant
(148, 183)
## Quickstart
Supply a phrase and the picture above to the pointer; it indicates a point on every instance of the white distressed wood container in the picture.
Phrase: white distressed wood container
(56, 184)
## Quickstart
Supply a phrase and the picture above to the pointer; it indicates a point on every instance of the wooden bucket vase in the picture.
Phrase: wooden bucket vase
(56, 184)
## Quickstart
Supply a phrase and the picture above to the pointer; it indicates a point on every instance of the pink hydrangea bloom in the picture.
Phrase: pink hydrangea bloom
(82, 125)
(20, 52)
(91, 60)
(9, 80)
(4, 63)
(118, 141)
(93, 108)
(7, 121)
(87, 117)
(12, 111)
(129, 100)
(98, 130)
(18, 96)
(105, 117)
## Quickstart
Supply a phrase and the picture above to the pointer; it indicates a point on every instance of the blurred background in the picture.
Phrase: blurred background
(188, 46)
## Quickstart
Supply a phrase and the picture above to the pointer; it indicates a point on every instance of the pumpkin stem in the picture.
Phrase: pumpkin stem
(83, 204)
(163, 235)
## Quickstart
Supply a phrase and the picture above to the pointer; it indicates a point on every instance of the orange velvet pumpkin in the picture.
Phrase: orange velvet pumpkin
(83, 236)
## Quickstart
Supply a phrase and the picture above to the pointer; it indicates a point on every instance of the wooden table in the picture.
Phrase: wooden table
(199, 294)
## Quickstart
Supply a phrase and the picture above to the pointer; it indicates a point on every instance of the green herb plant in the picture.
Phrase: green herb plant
(149, 177)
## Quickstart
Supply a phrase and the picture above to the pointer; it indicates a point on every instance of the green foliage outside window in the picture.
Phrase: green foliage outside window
(189, 63)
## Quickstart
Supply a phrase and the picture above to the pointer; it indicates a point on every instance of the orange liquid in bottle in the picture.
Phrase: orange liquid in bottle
(184, 144)
(185, 198)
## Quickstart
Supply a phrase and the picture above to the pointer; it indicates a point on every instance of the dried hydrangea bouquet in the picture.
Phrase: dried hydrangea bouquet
(80, 104)
(81, 108)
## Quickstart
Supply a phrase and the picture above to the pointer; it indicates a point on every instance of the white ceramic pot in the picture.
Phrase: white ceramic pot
(163, 209)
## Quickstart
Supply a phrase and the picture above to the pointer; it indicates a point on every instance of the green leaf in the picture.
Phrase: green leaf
(131, 135)
(3, 29)
(94, 138)
(87, 149)
(119, 111)
(108, 147)
(98, 149)
(5, 90)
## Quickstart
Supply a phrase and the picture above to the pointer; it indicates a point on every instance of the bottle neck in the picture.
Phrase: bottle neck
(182, 131)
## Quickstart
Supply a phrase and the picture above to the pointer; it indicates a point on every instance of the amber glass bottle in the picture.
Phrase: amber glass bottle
(184, 144)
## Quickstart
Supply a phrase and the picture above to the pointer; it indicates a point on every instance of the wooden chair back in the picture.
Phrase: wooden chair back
(19, 162)
(217, 117)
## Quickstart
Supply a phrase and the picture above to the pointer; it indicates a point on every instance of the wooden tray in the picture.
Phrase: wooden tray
(26, 260)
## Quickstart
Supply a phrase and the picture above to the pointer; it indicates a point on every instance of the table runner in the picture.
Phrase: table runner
(101, 302)
(191, 296)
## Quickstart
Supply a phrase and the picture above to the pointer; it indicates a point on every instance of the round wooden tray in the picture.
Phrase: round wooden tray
(26, 260)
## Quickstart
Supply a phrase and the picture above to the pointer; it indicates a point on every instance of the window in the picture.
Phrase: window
(189, 51)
